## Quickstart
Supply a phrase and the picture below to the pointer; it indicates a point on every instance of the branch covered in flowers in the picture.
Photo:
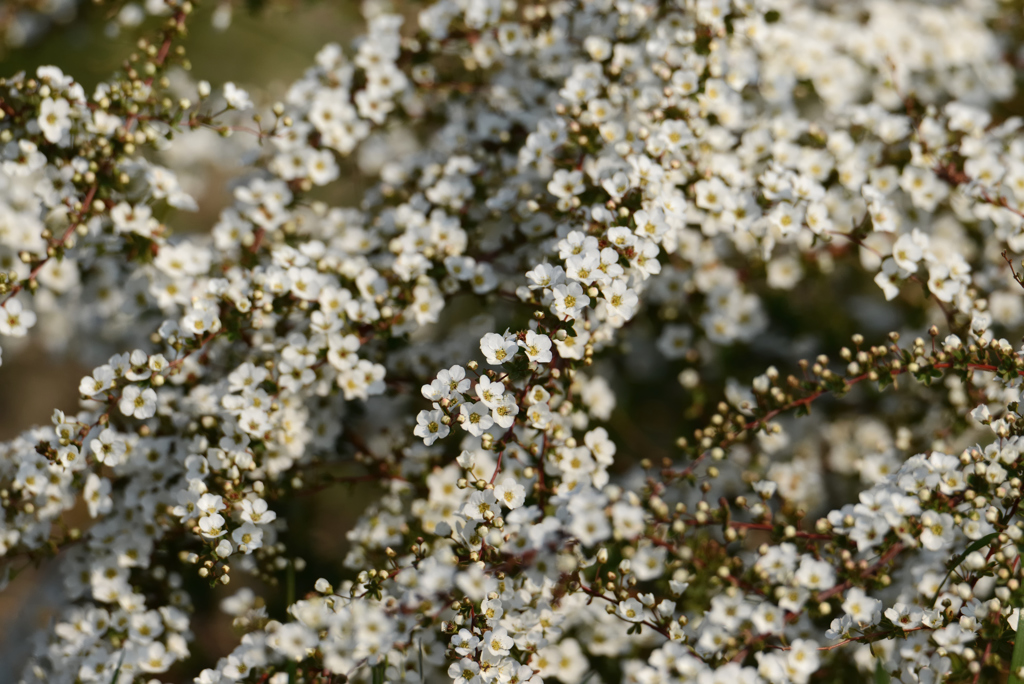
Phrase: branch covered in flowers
(567, 204)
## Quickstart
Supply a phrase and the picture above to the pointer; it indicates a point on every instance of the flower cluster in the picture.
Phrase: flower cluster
(577, 215)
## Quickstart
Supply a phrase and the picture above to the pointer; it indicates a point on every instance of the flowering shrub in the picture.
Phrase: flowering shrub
(566, 207)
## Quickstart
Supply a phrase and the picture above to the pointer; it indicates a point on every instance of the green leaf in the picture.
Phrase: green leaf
(980, 544)
(881, 676)
(120, 662)
(378, 672)
(1018, 657)
(959, 558)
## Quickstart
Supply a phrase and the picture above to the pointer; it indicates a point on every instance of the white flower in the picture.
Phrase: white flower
(631, 610)
(903, 616)
(936, 530)
(505, 412)
(886, 279)
(463, 669)
(210, 503)
(538, 347)
(906, 253)
(569, 300)
(108, 448)
(649, 562)
(200, 321)
(138, 403)
(815, 574)
(566, 184)
(479, 505)
(254, 421)
(981, 414)
(97, 495)
(768, 618)
(545, 275)
(803, 657)
(621, 299)
(212, 526)
(236, 98)
(784, 273)
(477, 418)
(489, 392)
(69, 457)
(15, 320)
(510, 493)
(54, 118)
(102, 379)
(953, 637)
(155, 658)
(257, 512)
(497, 642)
(248, 537)
(293, 640)
(584, 267)
(430, 427)
(465, 642)
(498, 349)
(862, 608)
(454, 380)
(138, 219)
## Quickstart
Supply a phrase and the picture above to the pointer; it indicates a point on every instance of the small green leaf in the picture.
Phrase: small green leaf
(979, 544)
(881, 676)
(1018, 657)
(120, 662)
(959, 558)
